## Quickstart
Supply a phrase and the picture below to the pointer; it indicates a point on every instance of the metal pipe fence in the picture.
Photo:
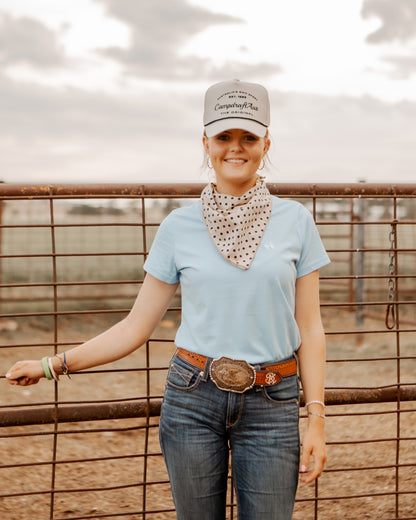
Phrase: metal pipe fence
(71, 264)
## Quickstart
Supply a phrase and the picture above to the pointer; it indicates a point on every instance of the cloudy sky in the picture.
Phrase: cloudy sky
(112, 90)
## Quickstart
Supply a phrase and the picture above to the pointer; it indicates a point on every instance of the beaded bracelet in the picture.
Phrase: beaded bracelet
(316, 402)
(318, 414)
(45, 367)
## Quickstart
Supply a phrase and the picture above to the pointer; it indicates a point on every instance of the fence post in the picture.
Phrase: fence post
(359, 264)
(351, 254)
(1, 247)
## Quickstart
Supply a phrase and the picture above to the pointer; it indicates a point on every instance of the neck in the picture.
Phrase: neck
(236, 190)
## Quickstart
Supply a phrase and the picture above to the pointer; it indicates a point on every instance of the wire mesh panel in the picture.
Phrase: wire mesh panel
(71, 265)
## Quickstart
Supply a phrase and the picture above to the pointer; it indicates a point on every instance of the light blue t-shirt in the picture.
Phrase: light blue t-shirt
(228, 311)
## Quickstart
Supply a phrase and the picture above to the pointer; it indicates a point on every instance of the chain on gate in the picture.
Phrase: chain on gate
(391, 309)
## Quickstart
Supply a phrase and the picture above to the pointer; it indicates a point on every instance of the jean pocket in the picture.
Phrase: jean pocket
(182, 375)
(285, 392)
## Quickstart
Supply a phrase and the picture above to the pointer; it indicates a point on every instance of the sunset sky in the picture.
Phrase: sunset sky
(112, 90)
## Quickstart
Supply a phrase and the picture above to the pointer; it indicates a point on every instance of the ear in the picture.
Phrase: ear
(266, 145)
(205, 142)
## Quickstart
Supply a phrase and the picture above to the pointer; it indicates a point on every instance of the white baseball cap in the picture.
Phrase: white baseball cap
(236, 104)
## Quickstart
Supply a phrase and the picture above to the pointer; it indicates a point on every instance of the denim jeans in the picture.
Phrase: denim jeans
(200, 425)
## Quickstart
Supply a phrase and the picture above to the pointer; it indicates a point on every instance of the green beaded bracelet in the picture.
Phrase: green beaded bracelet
(46, 368)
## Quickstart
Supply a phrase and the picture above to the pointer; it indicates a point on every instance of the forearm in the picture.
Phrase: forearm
(312, 366)
(312, 373)
(113, 344)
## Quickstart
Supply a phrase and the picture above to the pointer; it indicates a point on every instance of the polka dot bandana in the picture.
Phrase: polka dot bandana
(236, 224)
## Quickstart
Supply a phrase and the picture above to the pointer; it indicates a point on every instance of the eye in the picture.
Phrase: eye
(251, 137)
(222, 137)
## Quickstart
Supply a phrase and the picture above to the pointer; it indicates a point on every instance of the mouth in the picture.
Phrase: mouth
(236, 162)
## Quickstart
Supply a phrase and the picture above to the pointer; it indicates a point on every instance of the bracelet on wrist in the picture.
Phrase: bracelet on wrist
(46, 369)
(64, 366)
(315, 402)
(53, 373)
(317, 414)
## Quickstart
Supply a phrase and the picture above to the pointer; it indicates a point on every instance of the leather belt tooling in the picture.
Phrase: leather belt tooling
(239, 376)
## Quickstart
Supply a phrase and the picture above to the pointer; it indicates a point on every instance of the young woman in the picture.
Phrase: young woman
(248, 267)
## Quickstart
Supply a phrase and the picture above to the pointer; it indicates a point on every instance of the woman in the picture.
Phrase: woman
(248, 267)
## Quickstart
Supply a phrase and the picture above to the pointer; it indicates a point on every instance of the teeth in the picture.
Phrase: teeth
(236, 161)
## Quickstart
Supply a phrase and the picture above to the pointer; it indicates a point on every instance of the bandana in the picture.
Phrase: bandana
(236, 224)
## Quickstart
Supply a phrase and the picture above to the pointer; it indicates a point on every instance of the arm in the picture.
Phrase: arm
(117, 342)
(312, 372)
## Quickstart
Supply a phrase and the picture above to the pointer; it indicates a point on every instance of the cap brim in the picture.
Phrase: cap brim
(242, 124)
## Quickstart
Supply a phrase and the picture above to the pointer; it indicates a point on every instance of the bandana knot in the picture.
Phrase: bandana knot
(236, 224)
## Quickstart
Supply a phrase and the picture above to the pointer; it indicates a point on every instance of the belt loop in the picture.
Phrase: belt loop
(205, 373)
(296, 356)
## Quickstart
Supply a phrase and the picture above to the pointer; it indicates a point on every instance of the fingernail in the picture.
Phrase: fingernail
(8, 376)
(303, 469)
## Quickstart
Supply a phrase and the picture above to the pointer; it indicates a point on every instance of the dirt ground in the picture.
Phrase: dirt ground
(365, 437)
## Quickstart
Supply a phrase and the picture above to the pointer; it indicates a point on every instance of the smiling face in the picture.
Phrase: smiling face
(236, 156)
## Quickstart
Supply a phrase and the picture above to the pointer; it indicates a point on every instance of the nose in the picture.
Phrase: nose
(236, 144)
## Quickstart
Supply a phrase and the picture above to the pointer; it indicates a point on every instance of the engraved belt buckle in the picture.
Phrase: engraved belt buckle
(233, 375)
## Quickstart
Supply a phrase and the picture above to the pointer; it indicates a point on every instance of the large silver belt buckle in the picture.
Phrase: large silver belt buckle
(233, 375)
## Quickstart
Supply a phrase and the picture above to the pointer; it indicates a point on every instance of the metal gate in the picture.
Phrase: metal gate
(71, 263)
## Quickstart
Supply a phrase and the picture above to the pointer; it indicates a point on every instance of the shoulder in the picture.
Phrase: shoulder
(194, 208)
(291, 209)
(183, 213)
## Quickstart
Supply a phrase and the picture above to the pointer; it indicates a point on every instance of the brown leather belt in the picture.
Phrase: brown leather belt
(239, 376)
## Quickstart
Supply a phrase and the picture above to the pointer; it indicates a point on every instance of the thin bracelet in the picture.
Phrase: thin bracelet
(45, 367)
(54, 374)
(318, 414)
(64, 366)
(312, 402)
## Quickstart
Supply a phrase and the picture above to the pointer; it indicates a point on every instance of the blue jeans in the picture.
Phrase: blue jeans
(201, 424)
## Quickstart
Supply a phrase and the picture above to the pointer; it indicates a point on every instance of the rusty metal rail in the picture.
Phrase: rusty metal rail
(182, 190)
(65, 276)
(66, 413)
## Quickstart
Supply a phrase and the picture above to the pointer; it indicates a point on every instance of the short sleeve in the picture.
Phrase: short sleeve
(161, 260)
(312, 255)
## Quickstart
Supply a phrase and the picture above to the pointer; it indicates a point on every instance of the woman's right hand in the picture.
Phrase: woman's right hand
(25, 373)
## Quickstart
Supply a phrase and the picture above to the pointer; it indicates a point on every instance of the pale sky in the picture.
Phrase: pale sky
(112, 90)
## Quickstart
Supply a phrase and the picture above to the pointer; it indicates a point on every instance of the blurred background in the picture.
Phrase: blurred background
(112, 90)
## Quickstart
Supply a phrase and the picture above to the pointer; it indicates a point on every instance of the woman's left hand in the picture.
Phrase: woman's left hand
(313, 446)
